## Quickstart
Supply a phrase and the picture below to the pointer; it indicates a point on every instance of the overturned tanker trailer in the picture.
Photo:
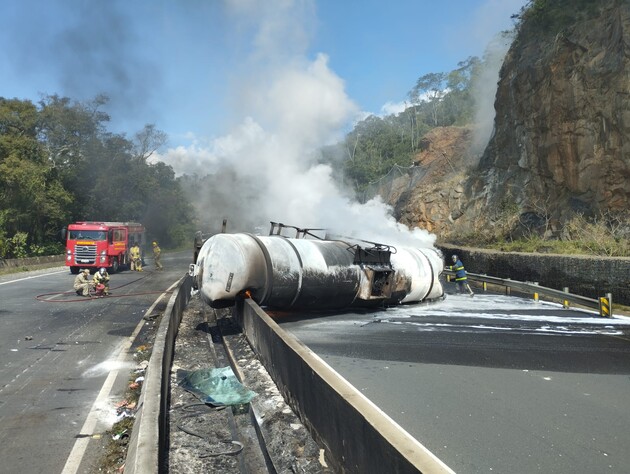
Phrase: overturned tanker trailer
(304, 273)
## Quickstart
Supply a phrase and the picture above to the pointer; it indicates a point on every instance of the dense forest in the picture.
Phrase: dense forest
(59, 164)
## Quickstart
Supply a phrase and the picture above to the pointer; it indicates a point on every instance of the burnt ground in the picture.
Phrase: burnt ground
(226, 439)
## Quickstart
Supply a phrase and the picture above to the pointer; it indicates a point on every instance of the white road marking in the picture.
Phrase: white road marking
(34, 276)
(78, 451)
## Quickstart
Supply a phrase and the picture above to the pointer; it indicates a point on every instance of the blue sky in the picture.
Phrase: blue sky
(175, 63)
(248, 90)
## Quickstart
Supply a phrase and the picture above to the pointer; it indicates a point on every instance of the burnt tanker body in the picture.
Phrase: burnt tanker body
(301, 273)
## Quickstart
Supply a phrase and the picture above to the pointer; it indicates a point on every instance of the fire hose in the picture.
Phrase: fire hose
(44, 296)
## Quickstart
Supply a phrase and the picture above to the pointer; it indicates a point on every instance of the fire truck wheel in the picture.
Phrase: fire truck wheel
(74, 270)
(115, 265)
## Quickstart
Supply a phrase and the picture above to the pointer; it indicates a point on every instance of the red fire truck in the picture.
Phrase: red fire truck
(101, 244)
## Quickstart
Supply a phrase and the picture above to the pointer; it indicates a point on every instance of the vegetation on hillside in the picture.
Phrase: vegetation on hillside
(59, 164)
(376, 144)
(606, 234)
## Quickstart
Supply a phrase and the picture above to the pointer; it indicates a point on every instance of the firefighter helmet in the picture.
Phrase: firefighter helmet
(101, 270)
(154, 243)
(454, 257)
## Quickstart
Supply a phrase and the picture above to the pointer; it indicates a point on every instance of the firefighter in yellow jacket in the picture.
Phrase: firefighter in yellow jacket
(136, 258)
(157, 252)
(82, 283)
(101, 277)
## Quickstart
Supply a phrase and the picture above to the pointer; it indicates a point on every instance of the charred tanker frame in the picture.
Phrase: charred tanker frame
(313, 273)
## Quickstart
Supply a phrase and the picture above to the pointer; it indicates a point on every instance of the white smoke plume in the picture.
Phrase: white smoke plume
(266, 168)
(489, 14)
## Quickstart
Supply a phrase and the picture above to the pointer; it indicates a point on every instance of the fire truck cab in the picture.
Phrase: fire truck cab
(102, 244)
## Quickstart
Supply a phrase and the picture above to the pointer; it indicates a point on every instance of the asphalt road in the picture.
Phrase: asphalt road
(490, 384)
(65, 361)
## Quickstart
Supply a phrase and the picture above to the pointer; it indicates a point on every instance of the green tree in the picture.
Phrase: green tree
(33, 199)
(430, 88)
(59, 164)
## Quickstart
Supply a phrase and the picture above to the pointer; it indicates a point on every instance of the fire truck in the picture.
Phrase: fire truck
(101, 244)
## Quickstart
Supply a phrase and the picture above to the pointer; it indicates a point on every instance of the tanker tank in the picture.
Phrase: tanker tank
(314, 274)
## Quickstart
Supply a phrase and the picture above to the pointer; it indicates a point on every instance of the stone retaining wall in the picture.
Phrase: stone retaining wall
(583, 275)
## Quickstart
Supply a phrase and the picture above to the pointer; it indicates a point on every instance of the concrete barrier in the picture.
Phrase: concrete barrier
(360, 437)
(150, 430)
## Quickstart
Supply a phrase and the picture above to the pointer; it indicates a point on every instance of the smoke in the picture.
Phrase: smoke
(485, 89)
(82, 49)
(487, 19)
(268, 167)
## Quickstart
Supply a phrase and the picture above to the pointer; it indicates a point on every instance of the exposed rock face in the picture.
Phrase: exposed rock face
(562, 126)
(561, 142)
(426, 194)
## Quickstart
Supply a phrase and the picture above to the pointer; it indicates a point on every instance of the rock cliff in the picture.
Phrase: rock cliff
(561, 140)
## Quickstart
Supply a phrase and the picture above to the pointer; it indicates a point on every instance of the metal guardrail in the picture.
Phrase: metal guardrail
(603, 304)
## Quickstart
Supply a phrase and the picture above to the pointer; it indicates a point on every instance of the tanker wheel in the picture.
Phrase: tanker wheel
(115, 266)
(74, 270)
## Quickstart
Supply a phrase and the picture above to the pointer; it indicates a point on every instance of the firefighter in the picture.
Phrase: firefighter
(82, 283)
(101, 282)
(136, 258)
(157, 252)
(460, 276)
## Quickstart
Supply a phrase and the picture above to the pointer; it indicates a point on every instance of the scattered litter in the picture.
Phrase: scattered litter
(216, 386)
(322, 458)
(139, 380)
(28, 338)
(122, 434)
(14, 350)
(123, 403)
(123, 415)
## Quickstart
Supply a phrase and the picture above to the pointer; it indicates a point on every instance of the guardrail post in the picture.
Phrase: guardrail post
(485, 286)
(508, 290)
(565, 303)
(605, 306)
(536, 297)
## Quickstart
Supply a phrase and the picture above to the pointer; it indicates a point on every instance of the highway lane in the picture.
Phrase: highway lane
(57, 351)
(492, 383)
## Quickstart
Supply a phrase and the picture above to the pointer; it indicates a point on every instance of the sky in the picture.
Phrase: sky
(243, 84)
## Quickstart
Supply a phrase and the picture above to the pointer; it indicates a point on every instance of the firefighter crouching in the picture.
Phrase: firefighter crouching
(82, 283)
(101, 282)
(136, 259)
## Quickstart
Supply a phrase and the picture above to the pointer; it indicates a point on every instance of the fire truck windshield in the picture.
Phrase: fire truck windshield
(87, 235)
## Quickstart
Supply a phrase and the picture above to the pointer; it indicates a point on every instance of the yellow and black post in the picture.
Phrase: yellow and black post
(605, 306)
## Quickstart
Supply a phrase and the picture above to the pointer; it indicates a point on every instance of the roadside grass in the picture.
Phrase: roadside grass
(563, 247)
(30, 268)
